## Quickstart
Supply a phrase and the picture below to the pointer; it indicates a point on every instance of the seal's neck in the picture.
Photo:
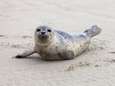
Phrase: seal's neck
(44, 44)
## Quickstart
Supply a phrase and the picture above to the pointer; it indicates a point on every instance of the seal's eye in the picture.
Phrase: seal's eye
(49, 30)
(38, 30)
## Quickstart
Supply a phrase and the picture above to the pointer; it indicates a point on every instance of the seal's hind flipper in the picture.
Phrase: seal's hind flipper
(93, 31)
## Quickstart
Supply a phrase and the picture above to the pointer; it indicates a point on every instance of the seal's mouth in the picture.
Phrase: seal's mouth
(43, 37)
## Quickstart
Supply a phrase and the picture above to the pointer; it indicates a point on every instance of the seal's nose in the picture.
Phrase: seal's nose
(43, 33)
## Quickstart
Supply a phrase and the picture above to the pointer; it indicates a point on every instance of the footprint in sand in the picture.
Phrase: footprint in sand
(113, 52)
(110, 61)
(97, 44)
(74, 66)
(17, 45)
(26, 36)
(2, 36)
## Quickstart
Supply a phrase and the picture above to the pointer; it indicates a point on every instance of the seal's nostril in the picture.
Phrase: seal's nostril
(42, 33)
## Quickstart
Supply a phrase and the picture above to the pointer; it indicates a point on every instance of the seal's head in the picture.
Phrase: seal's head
(44, 34)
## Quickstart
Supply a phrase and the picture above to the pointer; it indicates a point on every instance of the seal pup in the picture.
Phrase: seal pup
(53, 44)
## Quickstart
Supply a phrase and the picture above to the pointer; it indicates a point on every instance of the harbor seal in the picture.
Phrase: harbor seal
(53, 44)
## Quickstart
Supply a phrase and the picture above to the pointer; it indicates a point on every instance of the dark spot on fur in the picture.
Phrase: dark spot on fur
(96, 65)
(66, 55)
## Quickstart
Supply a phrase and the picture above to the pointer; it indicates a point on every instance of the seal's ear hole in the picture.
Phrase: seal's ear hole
(49, 30)
(38, 30)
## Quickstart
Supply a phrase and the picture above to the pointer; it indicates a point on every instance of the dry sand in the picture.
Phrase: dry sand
(18, 20)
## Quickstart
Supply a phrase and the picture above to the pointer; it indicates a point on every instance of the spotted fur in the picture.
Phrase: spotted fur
(61, 45)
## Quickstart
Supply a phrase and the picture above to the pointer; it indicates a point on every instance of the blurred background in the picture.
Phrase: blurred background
(70, 15)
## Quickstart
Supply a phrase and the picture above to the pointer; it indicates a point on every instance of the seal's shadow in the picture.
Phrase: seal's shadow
(37, 58)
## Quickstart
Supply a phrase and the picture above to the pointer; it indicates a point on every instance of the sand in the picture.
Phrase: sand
(18, 20)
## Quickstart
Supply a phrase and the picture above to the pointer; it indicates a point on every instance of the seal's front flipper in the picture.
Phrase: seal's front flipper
(25, 54)
(93, 31)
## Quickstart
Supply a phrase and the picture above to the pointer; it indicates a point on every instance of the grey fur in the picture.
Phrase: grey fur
(59, 44)
(93, 31)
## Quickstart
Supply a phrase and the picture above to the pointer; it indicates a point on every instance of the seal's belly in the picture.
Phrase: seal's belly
(50, 53)
(70, 49)
(50, 56)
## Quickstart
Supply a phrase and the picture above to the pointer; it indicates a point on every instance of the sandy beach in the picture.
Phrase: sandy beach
(18, 20)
